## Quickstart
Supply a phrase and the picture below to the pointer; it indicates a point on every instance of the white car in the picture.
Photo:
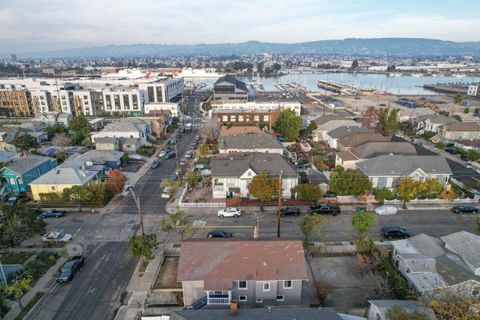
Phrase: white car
(165, 193)
(229, 212)
(54, 236)
(386, 210)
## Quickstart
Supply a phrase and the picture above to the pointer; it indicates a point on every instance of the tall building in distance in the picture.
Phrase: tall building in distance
(13, 57)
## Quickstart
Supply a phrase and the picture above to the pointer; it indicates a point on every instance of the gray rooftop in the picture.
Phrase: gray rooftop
(344, 131)
(437, 119)
(27, 162)
(373, 149)
(388, 165)
(130, 124)
(249, 141)
(97, 156)
(7, 156)
(258, 314)
(235, 164)
(466, 245)
(407, 305)
(68, 173)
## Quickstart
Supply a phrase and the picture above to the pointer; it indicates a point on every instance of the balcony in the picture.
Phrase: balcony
(219, 297)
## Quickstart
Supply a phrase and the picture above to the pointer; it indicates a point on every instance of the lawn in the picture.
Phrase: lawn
(16, 258)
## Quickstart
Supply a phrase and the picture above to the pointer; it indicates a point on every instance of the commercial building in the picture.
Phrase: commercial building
(229, 88)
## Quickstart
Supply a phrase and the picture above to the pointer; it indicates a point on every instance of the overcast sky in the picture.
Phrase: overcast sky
(43, 25)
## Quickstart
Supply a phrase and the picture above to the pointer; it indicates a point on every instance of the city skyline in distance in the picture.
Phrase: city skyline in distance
(50, 25)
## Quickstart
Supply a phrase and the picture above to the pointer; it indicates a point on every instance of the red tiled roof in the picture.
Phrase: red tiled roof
(219, 262)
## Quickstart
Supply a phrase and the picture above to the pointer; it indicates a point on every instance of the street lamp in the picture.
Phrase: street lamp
(137, 203)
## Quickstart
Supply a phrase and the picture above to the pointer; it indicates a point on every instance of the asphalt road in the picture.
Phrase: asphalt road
(95, 292)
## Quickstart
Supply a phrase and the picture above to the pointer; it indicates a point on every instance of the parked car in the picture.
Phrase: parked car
(182, 162)
(170, 154)
(451, 150)
(386, 210)
(166, 193)
(54, 236)
(289, 211)
(70, 268)
(219, 234)
(325, 208)
(464, 209)
(11, 201)
(394, 232)
(54, 213)
(229, 212)
(155, 164)
(163, 153)
(189, 154)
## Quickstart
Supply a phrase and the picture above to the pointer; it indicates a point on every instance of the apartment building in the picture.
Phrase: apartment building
(16, 103)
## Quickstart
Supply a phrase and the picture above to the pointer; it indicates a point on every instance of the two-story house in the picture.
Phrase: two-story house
(25, 168)
(433, 123)
(233, 172)
(129, 134)
(461, 131)
(253, 272)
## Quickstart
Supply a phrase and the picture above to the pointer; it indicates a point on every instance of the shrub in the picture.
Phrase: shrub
(382, 194)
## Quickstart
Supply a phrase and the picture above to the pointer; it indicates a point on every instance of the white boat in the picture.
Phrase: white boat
(417, 75)
(458, 75)
(199, 73)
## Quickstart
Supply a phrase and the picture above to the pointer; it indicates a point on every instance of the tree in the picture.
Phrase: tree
(56, 128)
(170, 186)
(288, 124)
(307, 133)
(309, 192)
(312, 225)
(177, 222)
(3, 299)
(432, 187)
(398, 313)
(25, 142)
(143, 246)
(466, 110)
(263, 188)
(440, 145)
(202, 150)
(458, 99)
(382, 194)
(116, 181)
(349, 182)
(19, 288)
(471, 155)
(407, 189)
(210, 129)
(18, 222)
(457, 117)
(362, 222)
(61, 140)
(354, 65)
(125, 158)
(81, 130)
(388, 121)
(192, 179)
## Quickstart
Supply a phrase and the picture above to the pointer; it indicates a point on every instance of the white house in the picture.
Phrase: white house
(128, 128)
(432, 266)
(253, 142)
(433, 123)
(233, 172)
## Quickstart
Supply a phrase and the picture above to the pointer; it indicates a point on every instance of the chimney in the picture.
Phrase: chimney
(233, 307)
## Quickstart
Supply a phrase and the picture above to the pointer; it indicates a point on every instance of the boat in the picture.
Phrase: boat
(417, 75)
(199, 73)
(458, 75)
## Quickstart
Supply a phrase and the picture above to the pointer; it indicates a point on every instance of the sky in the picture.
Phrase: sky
(46, 25)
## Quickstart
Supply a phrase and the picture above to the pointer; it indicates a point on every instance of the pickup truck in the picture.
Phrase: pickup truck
(325, 208)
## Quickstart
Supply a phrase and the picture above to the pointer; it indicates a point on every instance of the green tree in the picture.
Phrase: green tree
(362, 222)
(457, 117)
(3, 299)
(382, 194)
(19, 288)
(382, 119)
(440, 145)
(466, 110)
(192, 178)
(407, 189)
(432, 187)
(392, 122)
(288, 124)
(354, 65)
(309, 192)
(56, 128)
(18, 222)
(177, 222)
(142, 246)
(263, 188)
(170, 186)
(471, 155)
(349, 182)
(307, 132)
(81, 130)
(312, 225)
(202, 150)
(25, 142)
(458, 99)
(125, 158)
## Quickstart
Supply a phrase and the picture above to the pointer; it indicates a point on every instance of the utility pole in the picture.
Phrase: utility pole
(176, 161)
(279, 202)
(140, 216)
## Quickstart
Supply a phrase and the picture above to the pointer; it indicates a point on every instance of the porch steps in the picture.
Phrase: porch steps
(200, 303)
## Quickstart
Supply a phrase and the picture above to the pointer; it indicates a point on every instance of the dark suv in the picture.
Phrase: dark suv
(394, 232)
(325, 208)
(464, 209)
(219, 234)
(289, 211)
(70, 268)
(52, 214)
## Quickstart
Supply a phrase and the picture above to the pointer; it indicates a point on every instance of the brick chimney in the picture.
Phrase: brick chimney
(233, 307)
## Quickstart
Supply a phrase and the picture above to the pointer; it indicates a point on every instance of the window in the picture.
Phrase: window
(266, 286)
(53, 188)
(242, 285)
(12, 180)
(242, 298)
(287, 284)
(259, 300)
(281, 298)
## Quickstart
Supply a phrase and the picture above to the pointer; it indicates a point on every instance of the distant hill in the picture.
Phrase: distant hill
(395, 47)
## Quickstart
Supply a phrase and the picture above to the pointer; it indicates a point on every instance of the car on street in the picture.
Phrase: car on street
(451, 150)
(57, 236)
(54, 213)
(170, 154)
(70, 268)
(219, 234)
(11, 201)
(166, 194)
(182, 162)
(189, 154)
(386, 210)
(289, 211)
(325, 208)
(155, 164)
(395, 232)
(229, 212)
(464, 209)
(163, 153)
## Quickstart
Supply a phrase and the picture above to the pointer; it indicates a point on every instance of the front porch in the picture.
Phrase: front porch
(219, 297)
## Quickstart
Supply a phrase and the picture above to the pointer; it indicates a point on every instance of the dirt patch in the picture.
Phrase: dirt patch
(133, 166)
(167, 277)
